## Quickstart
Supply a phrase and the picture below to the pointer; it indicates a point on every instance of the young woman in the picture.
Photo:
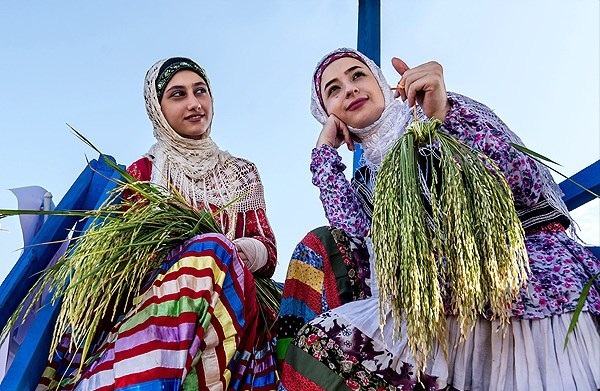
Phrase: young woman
(329, 327)
(195, 325)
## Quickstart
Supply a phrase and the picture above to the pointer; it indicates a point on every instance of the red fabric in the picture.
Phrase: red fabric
(329, 280)
(310, 297)
(553, 226)
(295, 381)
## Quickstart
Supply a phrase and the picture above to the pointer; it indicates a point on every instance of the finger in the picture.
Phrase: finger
(399, 65)
(418, 81)
(346, 135)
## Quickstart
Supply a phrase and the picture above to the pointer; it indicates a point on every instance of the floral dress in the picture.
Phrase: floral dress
(345, 338)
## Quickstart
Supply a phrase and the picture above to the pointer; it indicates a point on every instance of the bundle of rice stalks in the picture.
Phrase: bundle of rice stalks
(446, 236)
(128, 238)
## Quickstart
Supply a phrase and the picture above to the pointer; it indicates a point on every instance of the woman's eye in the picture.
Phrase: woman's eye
(177, 94)
(332, 89)
(201, 90)
(358, 74)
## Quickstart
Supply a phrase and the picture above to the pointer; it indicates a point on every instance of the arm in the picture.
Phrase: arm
(472, 123)
(342, 208)
(254, 225)
(254, 237)
(477, 126)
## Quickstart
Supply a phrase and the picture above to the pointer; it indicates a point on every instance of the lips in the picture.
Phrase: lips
(357, 104)
(194, 117)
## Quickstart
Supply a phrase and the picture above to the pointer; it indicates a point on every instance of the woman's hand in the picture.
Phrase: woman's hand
(424, 85)
(241, 254)
(335, 133)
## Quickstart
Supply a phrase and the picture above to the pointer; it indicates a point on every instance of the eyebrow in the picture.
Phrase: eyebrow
(345, 73)
(200, 83)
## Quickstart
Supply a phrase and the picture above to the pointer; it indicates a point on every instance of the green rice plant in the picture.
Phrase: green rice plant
(128, 238)
(455, 244)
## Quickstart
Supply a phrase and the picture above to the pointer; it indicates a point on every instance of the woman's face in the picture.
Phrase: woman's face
(187, 105)
(351, 92)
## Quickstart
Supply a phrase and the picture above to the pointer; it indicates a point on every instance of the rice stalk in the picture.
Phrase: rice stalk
(127, 239)
(455, 244)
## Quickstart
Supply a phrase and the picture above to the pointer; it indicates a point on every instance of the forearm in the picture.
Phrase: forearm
(254, 225)
(341, 206)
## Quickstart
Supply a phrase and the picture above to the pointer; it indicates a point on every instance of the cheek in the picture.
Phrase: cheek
(169, 112)
(331, 106)
(166, 113)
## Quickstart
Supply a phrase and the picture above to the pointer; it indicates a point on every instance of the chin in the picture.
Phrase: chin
(194, 136)
(361, 124)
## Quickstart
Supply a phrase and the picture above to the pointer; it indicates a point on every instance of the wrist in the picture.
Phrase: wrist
(324, 142)
(441, 114)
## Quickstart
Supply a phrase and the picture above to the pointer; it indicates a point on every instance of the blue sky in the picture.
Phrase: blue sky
(536, 63)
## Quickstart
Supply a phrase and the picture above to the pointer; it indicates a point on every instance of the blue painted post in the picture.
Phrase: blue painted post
(369, 42)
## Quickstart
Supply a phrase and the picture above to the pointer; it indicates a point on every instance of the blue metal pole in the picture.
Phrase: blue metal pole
(369, 41)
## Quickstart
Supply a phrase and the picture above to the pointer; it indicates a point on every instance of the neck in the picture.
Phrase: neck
(379, 137)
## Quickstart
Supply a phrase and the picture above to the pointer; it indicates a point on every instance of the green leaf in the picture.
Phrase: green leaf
(539, 158)
(532, 153)
(579, 308)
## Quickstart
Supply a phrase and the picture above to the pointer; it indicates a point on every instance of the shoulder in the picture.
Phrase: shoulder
(242, 169)
(464, 103)
(240, 163)
(141, 169)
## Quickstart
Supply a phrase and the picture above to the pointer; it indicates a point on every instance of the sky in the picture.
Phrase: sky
(535, 63)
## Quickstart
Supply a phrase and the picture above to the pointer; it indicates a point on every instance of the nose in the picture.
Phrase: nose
(350, 90)
(194, 103)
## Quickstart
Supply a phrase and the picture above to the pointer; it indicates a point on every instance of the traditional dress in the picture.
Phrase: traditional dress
(329, 315)
(196, 323)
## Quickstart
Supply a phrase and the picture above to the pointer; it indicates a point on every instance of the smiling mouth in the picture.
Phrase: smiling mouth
(194, 117)
(356, 104)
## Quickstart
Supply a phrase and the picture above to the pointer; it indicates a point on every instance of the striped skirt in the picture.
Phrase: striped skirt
(195, 326)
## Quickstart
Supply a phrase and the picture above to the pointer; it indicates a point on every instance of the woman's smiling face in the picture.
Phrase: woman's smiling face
(350, 92)
(187, 104)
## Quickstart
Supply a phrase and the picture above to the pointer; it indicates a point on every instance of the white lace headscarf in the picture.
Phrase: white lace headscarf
(379, 137)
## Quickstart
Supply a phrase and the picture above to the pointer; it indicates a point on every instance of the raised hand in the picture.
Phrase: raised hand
(423, 85)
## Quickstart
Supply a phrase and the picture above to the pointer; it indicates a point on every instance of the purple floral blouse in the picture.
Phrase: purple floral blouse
(560, 266)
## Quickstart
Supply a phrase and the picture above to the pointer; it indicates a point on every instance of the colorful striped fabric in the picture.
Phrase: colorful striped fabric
(326, 271)
(319, 350)
(195, 327)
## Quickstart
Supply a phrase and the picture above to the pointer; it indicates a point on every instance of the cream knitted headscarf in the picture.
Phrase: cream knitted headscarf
(177, 160)
(204, 174)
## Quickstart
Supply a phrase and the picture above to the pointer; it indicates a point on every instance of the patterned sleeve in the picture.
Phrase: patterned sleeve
(254, 223)
(341, 205)
(480, 128)
(140, 169)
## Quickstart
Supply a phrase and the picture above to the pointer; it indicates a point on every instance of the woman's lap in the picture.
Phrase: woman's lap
(195, 323)
(462, 360)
